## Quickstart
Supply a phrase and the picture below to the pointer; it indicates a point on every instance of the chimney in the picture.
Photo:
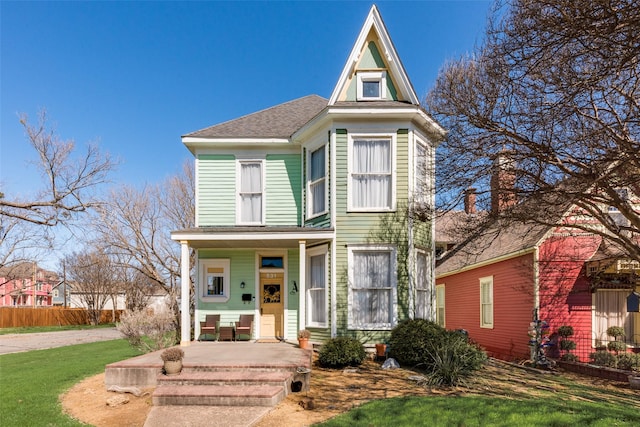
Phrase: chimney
(470, 201)
(503, 180)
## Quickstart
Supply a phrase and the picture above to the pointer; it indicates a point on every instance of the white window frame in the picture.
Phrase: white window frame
(223, 263)
(371, 76)
(625, 319)
(393, 286)
(486, 282)
(423, 294)
(441, 305)
(422, 183)
(239, 164)
(372, 136)
(314, 252)
(310, 206)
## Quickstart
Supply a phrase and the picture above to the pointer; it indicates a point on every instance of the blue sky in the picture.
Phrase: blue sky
(135, 76)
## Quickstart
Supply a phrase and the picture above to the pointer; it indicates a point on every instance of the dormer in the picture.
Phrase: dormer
(373, 71)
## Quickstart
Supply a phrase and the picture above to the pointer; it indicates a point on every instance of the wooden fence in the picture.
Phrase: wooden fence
(15, 317)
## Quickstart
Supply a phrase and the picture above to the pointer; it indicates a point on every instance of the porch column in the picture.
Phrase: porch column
(302, 300)
(185, 317)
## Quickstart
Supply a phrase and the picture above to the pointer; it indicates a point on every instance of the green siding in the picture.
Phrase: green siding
(216, 189)
(283, 189)
(371, 58)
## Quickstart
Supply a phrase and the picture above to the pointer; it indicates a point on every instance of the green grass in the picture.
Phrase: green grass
(471, 411)
(31, 382)
(33, 329)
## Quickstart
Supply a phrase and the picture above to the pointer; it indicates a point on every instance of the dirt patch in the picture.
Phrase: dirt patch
(337, 391)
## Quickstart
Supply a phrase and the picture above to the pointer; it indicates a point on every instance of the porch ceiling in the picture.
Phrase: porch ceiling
(252, 237)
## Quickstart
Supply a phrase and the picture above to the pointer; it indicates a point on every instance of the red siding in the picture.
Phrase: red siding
(565, 296)
(512, 306)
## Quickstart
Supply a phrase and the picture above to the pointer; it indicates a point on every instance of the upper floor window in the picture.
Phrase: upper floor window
(317, 182)
(371, 177)
(250, 193)
(372, 86)
(421, 175)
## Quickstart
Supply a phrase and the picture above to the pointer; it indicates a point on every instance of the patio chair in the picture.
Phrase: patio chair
(210, 325)
(245, 326)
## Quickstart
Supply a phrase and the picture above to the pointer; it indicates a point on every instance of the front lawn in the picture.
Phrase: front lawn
(31, 382)
(34, 329)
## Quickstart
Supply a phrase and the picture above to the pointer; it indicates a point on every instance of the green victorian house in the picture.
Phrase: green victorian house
(304, 210)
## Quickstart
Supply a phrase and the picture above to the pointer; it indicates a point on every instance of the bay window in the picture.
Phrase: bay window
(372, 287)
(317, 287)
(371, 177)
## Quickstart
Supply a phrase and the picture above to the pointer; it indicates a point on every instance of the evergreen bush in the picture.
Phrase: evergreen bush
(628, 361)
(603, 358)
(340, 352)
(447, 356)
(616, 346)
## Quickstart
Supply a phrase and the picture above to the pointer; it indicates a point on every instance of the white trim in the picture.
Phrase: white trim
(374, 20)
(371, 76)
(251, 236)
(393, 285)
(489, 262)
(313, 252)
(311, 149)
(225, 264)
(258, 290)
(351, 137)
(239, 163)
(487, 281)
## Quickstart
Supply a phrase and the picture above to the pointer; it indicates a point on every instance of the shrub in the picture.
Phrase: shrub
(340, 352)
(603, 358)
(615, 331)
(172, 354)
(447, 356)
(568, 357)
(567, 345)
(304, 333)
(565, 331)
(147, 330)
(616, 346)
(409, 340)
(628, 361)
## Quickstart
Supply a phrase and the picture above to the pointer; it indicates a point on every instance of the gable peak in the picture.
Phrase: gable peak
(373, 70)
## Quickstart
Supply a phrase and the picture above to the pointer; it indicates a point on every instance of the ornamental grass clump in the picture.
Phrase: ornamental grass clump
(172, 354)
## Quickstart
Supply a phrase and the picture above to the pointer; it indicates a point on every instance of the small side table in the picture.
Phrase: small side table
(226, 333)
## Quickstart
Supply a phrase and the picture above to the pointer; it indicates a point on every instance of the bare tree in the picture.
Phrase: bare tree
(553, 93)
(95, 280)
(69, 178)
(135, 225)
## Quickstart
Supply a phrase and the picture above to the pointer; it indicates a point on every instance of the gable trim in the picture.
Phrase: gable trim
(489, 262)
(397, 71)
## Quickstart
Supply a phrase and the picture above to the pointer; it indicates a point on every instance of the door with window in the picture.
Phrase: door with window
(272, 305)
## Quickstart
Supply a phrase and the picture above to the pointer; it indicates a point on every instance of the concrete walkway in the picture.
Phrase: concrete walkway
(15, 343)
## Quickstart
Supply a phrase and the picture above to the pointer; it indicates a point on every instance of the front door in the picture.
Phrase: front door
(272, 305)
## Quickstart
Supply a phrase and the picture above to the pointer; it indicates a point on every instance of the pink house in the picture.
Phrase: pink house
(26, 285)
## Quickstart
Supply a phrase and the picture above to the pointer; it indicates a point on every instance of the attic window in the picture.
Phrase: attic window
(372, 86)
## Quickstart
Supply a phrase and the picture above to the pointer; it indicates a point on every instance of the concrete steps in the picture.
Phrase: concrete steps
(232, 387)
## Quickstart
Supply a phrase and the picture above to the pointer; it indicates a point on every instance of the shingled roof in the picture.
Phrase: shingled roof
(280, 121)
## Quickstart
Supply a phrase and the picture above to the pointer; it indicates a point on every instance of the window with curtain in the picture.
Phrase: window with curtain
(371, 174)
(422, 301)
(486, 302)
(250, 193)
(440, 313)
(316, 195)
(610, 309)
(421, 175)
(317, 290)
(372, 289)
